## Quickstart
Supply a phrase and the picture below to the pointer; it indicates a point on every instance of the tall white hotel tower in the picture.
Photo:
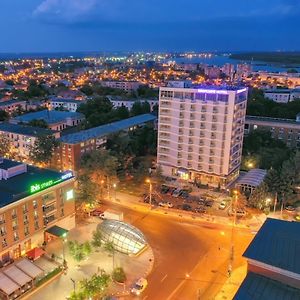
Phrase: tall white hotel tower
(200, 132)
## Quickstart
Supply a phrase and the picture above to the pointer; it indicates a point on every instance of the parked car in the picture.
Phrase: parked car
(239, 212)
(184, 194)
(200, 209)
(290, 208)
(139, 286)
(171, 190)
(209, 203)
(164, 189)
(186, 207)
(176, 193)
(96, 212)
(165, 204)
(223, 205)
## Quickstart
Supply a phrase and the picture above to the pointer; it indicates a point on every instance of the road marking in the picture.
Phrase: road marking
(164, 278)
(145, 297)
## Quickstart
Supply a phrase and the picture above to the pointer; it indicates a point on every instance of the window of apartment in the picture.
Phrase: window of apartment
(189, 95)
(26, 219)
(4, 243)
(35, 204)
(15, 224)
(26, 230)
(200, 96)
(193, 107)
(181, 115)
(190, 157)
(35, 214)
(25, 208)
(178, 95)
(36, 225)
(15, 235)
(14, 213)
(2, 218)
(2, 230)
(62, 212)
(181, 106)
(211, 97)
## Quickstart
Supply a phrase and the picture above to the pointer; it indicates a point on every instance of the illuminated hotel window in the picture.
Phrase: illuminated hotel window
(70, 195)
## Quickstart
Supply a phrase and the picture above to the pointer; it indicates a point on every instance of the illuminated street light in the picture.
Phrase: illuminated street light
(150, 191)
(115, 186)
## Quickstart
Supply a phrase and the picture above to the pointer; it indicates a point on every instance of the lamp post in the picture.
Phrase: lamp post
(74, 284)
(101, 192)
(115, 193)
(150, 192)
(63, 239)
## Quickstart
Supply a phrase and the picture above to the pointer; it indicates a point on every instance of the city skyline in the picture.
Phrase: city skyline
(94, 25)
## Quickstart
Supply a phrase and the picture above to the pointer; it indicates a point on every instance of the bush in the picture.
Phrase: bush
(119, 275)
(48, 276)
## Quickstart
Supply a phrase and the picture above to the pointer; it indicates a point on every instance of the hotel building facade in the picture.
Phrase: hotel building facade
(32, 201)
(200, 133)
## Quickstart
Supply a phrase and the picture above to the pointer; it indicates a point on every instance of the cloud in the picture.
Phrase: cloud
(67, 10)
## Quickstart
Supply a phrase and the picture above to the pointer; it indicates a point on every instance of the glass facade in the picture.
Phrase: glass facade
(125, 237)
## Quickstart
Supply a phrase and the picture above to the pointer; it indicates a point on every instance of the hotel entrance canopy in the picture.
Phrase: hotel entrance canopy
(57, 231)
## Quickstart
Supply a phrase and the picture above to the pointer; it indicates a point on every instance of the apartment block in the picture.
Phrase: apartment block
(22, 138)
(32, 201)
(200, 133)
(127, 86)
(286, 130)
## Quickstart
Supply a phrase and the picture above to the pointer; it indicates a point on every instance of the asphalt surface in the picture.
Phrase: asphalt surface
(191, 259)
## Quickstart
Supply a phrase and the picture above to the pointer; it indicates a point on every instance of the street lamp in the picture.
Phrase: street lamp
(115, 186)
(150, 191)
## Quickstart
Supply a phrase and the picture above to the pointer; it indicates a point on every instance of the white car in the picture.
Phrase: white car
(166, 204)
(139, 286)
(222, 205)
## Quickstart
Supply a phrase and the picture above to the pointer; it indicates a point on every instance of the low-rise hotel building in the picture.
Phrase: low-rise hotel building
(32, 201)
(200, 133)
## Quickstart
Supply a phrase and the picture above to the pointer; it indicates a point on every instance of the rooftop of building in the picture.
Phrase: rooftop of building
(273, 120)
(277, 244)
(253, 178)
(282, 91)
(49, 116)
(65, 100)
(257, 287)
(207, 87)
(104, 130)
(19, 186)
(25, 130)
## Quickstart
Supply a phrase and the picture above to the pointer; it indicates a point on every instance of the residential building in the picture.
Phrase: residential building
(11, 106)
(22, 138)
(273, 263)
(282, 95)
(33, 200)
(286, 130)
(118, 102)
(200, 133)
(74, 145)
(56, 120)
(65, 104)
(243, 70)
(127, 86)
(285, 79)
(228, 69)
(212, 72)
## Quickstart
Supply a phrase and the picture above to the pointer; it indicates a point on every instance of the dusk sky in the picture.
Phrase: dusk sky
(162, 25)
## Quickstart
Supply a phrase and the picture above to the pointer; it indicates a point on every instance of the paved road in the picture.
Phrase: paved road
(191, 258)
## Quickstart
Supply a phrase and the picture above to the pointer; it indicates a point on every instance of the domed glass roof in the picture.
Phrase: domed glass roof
(125, 237)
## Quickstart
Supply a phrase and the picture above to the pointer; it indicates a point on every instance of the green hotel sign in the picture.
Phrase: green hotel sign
(41, 186)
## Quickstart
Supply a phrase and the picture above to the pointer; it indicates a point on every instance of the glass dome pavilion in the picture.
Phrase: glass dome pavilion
(125, 237)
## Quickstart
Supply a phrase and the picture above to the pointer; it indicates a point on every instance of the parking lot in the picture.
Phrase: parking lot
(188, 199)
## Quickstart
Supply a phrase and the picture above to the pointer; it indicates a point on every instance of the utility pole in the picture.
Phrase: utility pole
(275, 202)
(150, 192)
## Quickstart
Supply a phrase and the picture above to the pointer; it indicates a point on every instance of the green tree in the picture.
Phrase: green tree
(258, 198)
(87, 191)
(110, 249)
(4, 116)
(119, 275)
(77, 251)
(122, 112)
(77, 296)
(95, 286)
(139, 108)
(43, 149)
(38, 123)
(97, 239)
(5, 146)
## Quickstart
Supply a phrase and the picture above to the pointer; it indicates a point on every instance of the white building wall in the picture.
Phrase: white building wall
(201, 136)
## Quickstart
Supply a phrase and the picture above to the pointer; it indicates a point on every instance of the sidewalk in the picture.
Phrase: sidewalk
(132, 201)
(61, 288)
(232, 284)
